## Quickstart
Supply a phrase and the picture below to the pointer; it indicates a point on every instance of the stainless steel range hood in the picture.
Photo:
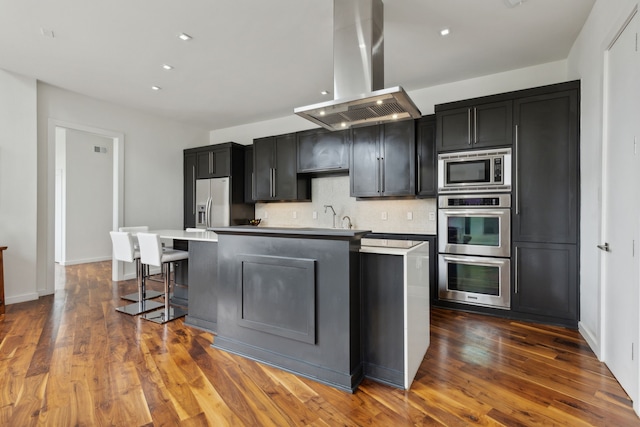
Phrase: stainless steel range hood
(358, 72)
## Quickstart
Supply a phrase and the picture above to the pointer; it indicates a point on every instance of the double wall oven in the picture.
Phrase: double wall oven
(474, 227)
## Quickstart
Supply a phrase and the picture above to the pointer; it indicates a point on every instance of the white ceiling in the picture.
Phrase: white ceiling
(254, 60)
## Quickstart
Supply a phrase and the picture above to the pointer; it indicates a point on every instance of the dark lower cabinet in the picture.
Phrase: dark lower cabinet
(203, 275)
(545, 282)
(383, 317)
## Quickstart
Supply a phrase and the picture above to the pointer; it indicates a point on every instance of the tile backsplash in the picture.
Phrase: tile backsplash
(412, 216)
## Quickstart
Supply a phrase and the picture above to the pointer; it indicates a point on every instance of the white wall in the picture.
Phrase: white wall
(586, 62)
(88, 181)
(18, 185)
(425, 99)
(152, 167)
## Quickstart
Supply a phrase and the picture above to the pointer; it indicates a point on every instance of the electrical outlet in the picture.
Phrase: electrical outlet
(315, 215)
(409, 216)
(383, 216)
(266, 215)
(432, 216)
(294, 214)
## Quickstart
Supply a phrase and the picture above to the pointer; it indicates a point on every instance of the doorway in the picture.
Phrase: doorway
(117, 191)
(620, 255)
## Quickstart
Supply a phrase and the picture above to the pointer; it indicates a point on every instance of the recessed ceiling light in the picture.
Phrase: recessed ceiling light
(444, 32)
(379, 102)
(167, 67)
(156, 87)
(46, 32)
(322, 113)
(184, 37)
(514, 3)
(324, 92)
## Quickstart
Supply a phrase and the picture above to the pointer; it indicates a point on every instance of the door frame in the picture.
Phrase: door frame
(118, 191)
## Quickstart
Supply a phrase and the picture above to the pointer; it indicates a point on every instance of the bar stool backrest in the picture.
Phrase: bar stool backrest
(150, 249)
(134, 232)
(122, 246)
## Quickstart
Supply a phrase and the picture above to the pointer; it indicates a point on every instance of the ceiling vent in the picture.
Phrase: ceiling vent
(358, 72)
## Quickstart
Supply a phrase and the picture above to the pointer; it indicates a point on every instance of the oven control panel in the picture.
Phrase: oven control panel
(463, 201)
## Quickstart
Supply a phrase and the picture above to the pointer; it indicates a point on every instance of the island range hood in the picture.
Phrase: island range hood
(360, 98)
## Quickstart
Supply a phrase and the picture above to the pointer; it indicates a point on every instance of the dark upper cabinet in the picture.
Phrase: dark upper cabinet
(426, 158)
(321, 150)
(214, 163)
(275, 175)
(248, 174)
(545, 184)
(383, 160)
(482, 125)
(189, 183)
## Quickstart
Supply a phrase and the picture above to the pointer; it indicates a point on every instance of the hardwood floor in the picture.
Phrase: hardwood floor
(72, 360)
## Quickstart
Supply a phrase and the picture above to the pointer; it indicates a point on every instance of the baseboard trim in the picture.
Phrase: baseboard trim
(591, 340)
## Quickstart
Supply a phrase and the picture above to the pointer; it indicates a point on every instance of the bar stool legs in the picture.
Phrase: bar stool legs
(143, 293)
(167, 313)
(142, 303)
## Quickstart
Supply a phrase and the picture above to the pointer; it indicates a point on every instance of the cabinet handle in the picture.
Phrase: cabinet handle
(475, 125)
(193, 174)
(213, 163)
(381, 175)
(515, 272)
(469, 126)
(517, 193)
(272, 180)
(419, 174)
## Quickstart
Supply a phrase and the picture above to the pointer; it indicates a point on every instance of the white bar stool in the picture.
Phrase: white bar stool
(123, 250)
(151, 253)
(138, 296)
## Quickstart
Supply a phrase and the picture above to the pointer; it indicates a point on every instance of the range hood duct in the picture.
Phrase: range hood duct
(358, 72)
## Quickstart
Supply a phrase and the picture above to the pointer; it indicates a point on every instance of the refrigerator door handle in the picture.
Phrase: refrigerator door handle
(207, 221)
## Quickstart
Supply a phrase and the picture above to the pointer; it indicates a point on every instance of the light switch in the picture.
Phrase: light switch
(315, 215)
(432, 216)
(383, 216)
(409, 216)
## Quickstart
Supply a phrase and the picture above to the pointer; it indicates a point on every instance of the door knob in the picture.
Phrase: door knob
(604, 247)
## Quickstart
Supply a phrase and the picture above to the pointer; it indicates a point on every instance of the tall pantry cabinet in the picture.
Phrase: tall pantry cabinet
(545, 204)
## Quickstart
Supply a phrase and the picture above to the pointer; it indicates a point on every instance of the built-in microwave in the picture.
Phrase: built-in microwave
(475, 171)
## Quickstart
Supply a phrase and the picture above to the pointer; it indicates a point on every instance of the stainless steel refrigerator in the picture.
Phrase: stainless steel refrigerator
(212, 202)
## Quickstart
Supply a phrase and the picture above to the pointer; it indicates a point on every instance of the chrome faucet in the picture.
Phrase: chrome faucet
(349, 225)
(334, 213)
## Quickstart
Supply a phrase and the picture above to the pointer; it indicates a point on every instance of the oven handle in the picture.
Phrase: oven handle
(474, 260)
(473, 212)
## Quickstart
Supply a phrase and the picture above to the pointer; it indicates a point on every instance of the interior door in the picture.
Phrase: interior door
(620, 267)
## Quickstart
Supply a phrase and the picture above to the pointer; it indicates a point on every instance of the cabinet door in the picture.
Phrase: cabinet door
(546, 168)
(364, 169)
(189, 183)
(545, 280)
(383, 312)
(286, 167)
(320, 150)
(398, 153)
(492, 124)
(248, 174)
(426, 160)
(263, 164)
(221, 162)
(204, 167)
(454, 129)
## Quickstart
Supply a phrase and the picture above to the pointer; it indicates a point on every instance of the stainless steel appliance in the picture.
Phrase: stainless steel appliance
(212, 202)
(475, 171)
(475, 225)
(474, 245)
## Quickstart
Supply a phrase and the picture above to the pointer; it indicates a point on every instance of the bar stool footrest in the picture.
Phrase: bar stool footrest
(161, 316)
(147, 295)
(139, 307)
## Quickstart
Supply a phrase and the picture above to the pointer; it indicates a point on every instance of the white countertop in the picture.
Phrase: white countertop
(388, 246)
(202, 236)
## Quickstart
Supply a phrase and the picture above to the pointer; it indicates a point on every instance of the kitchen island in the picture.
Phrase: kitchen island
(290, 298)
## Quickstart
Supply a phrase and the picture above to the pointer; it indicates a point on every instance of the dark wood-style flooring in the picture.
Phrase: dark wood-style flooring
(71, 360)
